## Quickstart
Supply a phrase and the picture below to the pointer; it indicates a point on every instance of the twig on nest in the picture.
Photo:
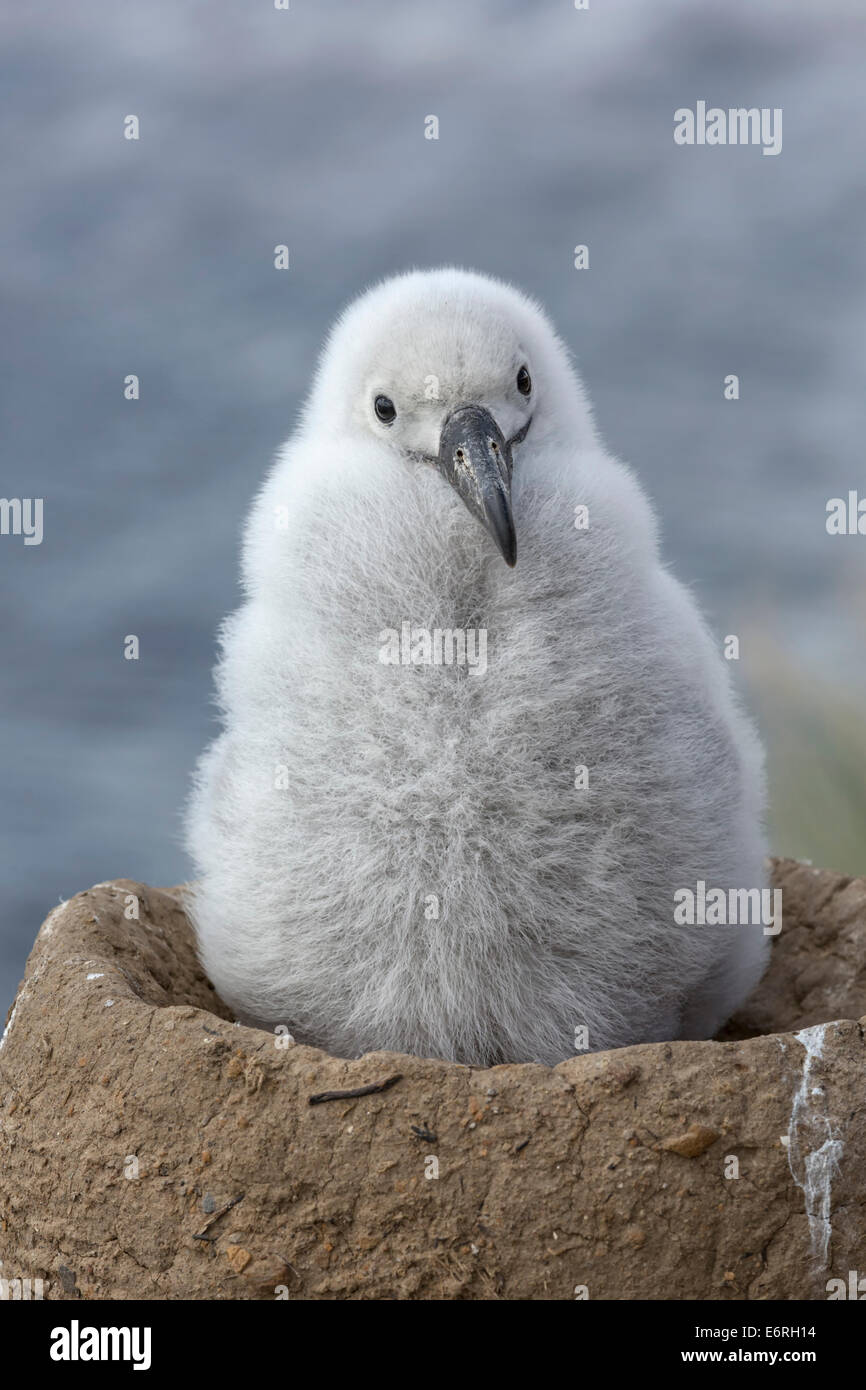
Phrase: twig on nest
(203, 1233)
(370, 1090)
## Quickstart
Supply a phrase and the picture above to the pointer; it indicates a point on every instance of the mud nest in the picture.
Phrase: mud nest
(151, 1148)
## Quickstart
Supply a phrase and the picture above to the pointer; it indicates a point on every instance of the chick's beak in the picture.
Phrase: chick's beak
(475, 458)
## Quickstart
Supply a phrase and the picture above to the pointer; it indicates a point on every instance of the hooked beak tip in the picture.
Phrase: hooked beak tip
(508, 546)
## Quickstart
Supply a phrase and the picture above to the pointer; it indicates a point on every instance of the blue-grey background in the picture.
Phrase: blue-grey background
(261, 127)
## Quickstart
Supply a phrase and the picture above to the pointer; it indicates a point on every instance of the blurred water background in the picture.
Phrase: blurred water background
(306, 127)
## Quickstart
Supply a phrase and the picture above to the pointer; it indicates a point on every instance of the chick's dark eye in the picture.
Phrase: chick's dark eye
(385, 409)
(524, 382)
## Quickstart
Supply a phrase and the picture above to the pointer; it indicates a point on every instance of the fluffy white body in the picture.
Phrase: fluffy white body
(397, 856)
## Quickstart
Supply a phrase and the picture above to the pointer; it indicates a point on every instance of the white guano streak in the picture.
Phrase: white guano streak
(813, 1168)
